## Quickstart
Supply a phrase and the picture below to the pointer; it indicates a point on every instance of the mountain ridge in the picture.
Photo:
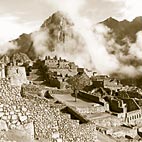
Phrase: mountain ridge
(124, 28)
(59, 29)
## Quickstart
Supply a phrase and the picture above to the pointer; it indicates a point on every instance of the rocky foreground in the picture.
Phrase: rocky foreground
(34, 118)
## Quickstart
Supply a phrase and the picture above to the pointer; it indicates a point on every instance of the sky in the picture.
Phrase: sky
(25, 16)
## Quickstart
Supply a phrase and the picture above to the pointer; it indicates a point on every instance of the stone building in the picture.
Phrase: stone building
(106, 82)
(16, 75)
(126, 108)
(2, 71)
(57, 71)
(61, 66)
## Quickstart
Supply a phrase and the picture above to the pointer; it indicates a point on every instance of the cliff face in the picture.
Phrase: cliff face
(25, 44)
(60, 29)
(57, 29)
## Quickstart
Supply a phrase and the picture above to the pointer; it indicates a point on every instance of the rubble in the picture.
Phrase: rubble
(48, 122)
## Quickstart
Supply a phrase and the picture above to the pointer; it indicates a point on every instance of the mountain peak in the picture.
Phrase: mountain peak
(138, 19)
(110, 20)
(58, 18)
(123, 29)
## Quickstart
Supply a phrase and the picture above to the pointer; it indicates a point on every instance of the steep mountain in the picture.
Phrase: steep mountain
(58, 32)
(57, 29)
(124, 29)
(25, 45)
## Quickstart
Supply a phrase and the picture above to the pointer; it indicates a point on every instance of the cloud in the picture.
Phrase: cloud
(128, 56)
(72, 49)
(97, 50)
(99, 10)
(4, 48)
(27, 20)
(10, 28)
(136, 48)
(132, 9)
(28, 15)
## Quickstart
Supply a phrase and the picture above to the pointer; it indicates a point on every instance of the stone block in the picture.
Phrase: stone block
(11, 112)
(3, 125)
(59, 140)
(55, 135)
(14, 121)
(14, 117)
(4, 117)
(1, 114)
(28, 129)
(22, 118)
(12, 126)
(19, 114)
(24, 109)
(14, 107)
(1, 105)
(1, 108)
(7, 113)
(17, 110)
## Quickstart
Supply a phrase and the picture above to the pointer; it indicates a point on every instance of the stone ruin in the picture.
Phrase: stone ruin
(39, 118)
(16, 75)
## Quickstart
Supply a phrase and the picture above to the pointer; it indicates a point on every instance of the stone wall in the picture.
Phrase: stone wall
(2, 70)
(115, 105)
(65, 72)
(60, 91)
(13, 115)
(49, 122)
(108, 122)
(32, 89)
(119, 132)
(90, 97)
(40, 91)
(16, 75)
(89, 110)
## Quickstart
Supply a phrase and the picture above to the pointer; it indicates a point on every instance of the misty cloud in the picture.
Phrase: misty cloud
(72, 49)
(4, 48)
(128, 56)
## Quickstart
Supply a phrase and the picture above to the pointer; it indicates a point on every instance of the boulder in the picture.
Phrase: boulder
(3, 126)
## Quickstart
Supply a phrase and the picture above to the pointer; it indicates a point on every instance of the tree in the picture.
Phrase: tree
(79, 82)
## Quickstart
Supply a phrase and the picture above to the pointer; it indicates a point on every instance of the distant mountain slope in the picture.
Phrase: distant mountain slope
(58, 30)
(124, 29)
(15, 57)
(20, 57)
